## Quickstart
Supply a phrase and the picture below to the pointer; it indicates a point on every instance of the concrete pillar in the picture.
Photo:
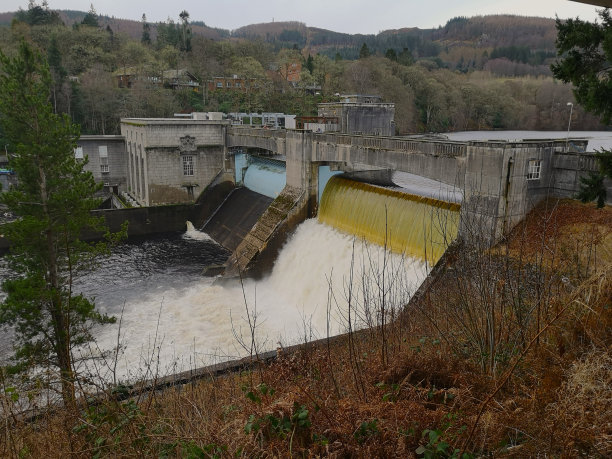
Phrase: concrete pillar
(302, 171)
(482, 210)
(129, 165)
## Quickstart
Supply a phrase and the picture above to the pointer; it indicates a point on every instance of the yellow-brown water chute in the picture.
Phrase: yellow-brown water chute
(413, 225)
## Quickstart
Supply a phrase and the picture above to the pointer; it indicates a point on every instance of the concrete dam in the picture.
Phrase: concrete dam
(187, 320)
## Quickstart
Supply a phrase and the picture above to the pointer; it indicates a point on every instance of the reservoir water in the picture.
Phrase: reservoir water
(597, 139)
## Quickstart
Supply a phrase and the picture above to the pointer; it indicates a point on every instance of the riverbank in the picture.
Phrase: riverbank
(506, 353)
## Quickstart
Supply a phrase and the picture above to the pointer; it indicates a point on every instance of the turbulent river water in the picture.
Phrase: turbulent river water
(175, 319)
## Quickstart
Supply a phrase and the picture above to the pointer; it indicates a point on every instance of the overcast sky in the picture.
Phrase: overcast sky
(350, 16)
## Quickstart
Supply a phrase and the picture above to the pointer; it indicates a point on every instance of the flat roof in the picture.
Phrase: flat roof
(365, 104)
(178, 121)
(101, 137)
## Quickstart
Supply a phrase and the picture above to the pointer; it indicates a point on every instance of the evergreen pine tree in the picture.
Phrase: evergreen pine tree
(364, 52)
(145, 39)
(53, 200)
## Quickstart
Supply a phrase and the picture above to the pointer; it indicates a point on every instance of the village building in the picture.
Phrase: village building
(233, 83)
(126, 77)
(269, 120)
(294, 69)
(180, 79)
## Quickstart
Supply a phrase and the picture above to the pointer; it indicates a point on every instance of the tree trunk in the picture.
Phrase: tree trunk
(61, 326)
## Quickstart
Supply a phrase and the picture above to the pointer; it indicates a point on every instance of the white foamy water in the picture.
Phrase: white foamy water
(196, 235)
(203, 323)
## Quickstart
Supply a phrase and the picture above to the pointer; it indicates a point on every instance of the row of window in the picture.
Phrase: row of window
(102, 153)
(188, 162)
(228, 84)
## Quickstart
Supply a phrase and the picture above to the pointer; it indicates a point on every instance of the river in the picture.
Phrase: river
(175, 318)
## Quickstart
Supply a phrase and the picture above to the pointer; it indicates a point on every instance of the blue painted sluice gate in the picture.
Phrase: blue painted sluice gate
(263, 175)
(268, 176)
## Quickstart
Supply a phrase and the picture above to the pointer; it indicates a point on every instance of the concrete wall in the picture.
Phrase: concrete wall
(569, 168)
(264, 236)
(156, 148)
(143, 221)
(499, 192)
(116, 160)
(166, 181)
(361, 118)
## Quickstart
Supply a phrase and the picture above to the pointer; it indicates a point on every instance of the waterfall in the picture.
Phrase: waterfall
(412, 225)
(193, 233)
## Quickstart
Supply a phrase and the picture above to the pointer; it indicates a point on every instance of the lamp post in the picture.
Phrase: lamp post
(569, 123)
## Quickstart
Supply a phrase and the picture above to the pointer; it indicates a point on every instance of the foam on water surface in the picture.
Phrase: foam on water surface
(176, 329)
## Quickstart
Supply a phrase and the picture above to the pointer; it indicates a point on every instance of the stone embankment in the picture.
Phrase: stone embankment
(268, 227)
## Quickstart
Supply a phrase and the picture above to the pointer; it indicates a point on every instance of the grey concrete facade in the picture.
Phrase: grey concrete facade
(106, 159)
(172, 160)
(361, 118)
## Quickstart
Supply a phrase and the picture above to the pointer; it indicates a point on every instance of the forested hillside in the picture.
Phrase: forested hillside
(474, 73)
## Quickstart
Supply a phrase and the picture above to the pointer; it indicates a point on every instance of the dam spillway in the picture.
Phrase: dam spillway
(234, 219)
(408, 224)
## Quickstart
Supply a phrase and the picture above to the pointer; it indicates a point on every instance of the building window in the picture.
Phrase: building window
(534, 169)
(103, 153)
(78, 153)
(229, 84)
(188, 165)
(219, 84)
(237, 84)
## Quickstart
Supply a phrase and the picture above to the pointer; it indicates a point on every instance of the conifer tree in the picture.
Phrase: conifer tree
(145, 39)
(585, 54)
(364, 52)
(185, 44)
(53, 201)
(91, 18)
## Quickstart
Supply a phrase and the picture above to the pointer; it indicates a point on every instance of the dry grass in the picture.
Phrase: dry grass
(552, 393)
(565, 233)
(584, 406)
